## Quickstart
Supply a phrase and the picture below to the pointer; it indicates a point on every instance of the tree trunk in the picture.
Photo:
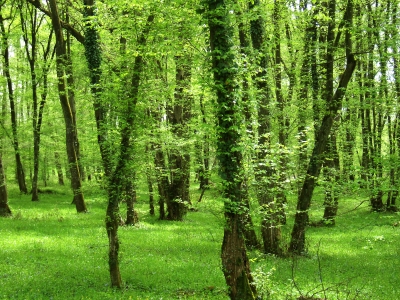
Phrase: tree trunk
(60, 175)
(162, 180)
(38, 107)
(332, 175)
(6, 60)
(235, 263)
(69, 117)
(249, 233)
(297, 243)
(179, 158)
(130, 198)
(5, 210)
(149, 177)
(264, 172)
(93, 58)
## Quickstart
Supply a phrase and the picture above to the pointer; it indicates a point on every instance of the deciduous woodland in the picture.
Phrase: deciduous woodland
(207, 149)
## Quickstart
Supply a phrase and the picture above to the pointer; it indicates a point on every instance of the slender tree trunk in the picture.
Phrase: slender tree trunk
(283, 122)
(69, 117)
(250, 235)
(391, 203)
(331, 159)
(6, 60)
(130, 198)
(271, 221)
(235, 264)
(332, 175)
(60, 174)
(5, 210)
(162, 180)
(149, 177)
(38, 107)
(204, 157)
(297, 243)
(118, 176)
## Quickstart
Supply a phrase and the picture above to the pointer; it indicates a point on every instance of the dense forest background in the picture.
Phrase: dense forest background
(251, 105)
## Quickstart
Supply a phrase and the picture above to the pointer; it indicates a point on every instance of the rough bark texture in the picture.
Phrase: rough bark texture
(235, 263)
(69, 118)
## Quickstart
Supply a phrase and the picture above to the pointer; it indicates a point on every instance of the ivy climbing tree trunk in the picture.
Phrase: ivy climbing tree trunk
(235, 264)
(69, 117)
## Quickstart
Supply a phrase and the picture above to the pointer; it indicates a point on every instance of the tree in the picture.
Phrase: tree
(68, 110)
(31, 23)
(235, 263)
(6, 60)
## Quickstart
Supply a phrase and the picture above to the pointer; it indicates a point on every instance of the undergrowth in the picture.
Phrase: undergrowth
(48, 251)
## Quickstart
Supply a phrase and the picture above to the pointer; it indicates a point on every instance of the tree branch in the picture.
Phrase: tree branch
(75, 33)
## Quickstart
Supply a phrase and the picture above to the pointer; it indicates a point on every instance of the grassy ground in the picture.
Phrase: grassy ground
(47, 251)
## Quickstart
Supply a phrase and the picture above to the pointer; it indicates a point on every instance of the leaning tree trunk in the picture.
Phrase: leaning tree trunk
(297, 243)
(235, 264)
(69, 118)
(15, 142)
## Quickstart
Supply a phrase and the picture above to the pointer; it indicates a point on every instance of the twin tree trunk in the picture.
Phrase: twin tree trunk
(235, 264)
(68, 111)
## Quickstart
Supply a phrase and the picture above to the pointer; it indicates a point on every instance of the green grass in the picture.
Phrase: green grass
(48, 251)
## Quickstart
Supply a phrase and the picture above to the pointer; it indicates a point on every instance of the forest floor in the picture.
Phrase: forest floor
(48, 251)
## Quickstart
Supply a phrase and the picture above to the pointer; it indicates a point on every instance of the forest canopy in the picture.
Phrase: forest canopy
(256, 115)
